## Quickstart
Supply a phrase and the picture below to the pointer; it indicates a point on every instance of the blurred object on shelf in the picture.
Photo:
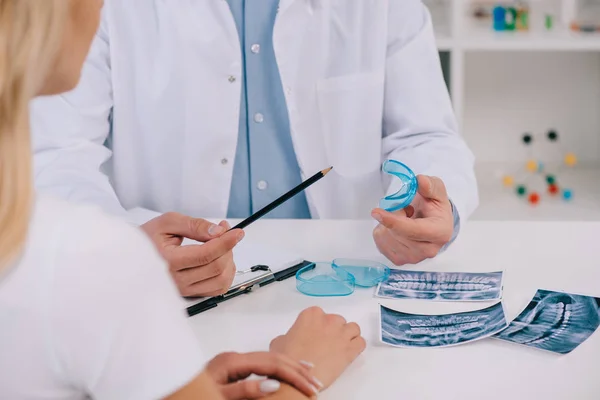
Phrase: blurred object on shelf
(510, 22)
(585, 28)
(522, 17)
(499, 18)
(509, 18)
(549, 22)
(545, 15)
(481, 12)
(582, 15)
(536, 168)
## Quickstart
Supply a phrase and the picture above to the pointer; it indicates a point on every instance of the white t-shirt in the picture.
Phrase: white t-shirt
(90, 310)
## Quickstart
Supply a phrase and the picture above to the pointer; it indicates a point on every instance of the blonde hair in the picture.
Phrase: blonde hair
(31, 35)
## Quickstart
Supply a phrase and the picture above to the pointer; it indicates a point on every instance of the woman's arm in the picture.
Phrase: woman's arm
(202, 387)
(287, 392)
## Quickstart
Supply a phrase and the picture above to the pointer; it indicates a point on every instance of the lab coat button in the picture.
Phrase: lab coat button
(231, 78)
(224, 161)
(258, 117)
(255, 48)
(261, 185)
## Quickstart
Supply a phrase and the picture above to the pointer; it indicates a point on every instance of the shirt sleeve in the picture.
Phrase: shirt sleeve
(455, 229)
(69, 132)
(419, 125)
(119, 326)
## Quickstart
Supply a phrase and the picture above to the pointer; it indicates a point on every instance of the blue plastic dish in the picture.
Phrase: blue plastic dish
(366, 273)
(320, 279)
(408, 186)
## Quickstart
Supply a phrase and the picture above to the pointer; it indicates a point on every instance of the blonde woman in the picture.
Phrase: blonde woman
(87, 307)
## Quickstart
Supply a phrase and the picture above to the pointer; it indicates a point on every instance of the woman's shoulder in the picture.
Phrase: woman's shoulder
(84, 241)
(85, 230)
(112, 300)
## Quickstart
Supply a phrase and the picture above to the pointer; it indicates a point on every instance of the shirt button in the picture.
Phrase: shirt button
(258, 118)
(255, 48)
(224, 161)
(261, 185)
(231, 78)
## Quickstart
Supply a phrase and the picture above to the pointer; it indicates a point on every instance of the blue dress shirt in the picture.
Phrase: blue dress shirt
(265, 162)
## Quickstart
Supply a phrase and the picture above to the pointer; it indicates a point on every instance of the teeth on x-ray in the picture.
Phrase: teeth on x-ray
(555, 321)
(440, 286)
(445, 277)
(410, 330)
(444, 286)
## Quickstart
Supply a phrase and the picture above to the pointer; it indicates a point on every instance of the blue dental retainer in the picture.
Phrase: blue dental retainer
(408, 186)
(340, 277)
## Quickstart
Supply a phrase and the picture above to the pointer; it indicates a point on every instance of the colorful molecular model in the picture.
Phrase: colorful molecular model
(536, 168)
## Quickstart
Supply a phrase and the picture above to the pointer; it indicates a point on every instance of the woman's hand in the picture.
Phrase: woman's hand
(325, 340)
(230, 370)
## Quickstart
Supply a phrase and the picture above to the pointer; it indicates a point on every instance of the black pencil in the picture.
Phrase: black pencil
(276, 203)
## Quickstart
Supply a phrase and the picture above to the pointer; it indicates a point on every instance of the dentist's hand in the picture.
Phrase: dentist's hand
(419, 231)
(205, 269)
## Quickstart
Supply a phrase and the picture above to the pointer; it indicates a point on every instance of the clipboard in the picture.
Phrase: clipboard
(263, 279)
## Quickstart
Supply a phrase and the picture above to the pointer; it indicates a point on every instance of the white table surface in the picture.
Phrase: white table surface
(546, 255)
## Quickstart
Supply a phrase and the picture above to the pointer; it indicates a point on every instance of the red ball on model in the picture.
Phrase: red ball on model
(553, 189)
(534, 198)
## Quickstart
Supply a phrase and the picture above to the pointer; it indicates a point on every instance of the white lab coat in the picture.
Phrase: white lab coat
(362, 81)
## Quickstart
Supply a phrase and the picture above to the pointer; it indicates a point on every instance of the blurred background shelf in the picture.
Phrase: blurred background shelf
(559, 40)
(505, 84)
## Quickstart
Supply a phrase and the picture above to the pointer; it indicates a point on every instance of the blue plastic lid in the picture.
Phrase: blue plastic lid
(366, 273)
(320, 279)
(408, 186)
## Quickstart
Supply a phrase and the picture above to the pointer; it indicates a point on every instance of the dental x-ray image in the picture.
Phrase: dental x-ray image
(412, 330)
(555, 321)
(442, 286)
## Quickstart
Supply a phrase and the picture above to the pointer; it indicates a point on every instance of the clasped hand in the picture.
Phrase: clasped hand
(420, 230)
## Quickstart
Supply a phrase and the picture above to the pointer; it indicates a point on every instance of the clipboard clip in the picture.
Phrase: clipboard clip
(255, 268)
(252, 284)
(266, 278)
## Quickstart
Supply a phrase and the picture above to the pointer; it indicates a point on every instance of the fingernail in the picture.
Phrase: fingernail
(215, 230)
(269, 386)
(314, 389)
(318, 382)
(226, 224)
(307, 364)
(377, 216)
(240, 235)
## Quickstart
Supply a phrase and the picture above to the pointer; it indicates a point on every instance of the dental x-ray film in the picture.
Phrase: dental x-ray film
(442, 286)
(412, 330)
(554, 321)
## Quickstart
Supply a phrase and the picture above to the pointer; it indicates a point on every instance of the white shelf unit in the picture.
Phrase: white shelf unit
(505, 84)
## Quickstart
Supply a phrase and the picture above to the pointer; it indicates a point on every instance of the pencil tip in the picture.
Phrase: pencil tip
(325, 171)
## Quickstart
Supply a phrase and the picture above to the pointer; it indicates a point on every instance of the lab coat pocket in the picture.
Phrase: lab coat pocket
(351, 110)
